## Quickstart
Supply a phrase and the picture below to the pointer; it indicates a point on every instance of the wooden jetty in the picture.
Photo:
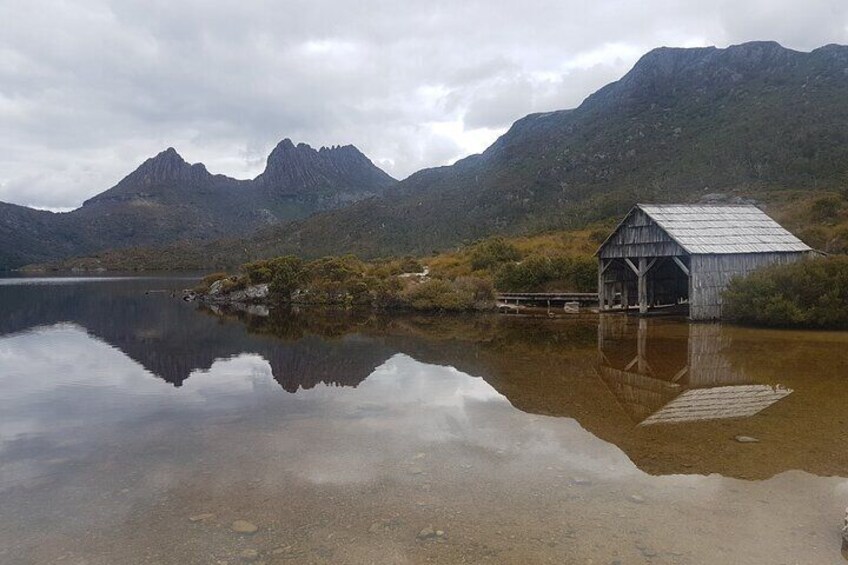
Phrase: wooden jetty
(568, 301)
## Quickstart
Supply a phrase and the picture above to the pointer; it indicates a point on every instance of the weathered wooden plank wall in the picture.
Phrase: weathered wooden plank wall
(639, 236)
(710, 275)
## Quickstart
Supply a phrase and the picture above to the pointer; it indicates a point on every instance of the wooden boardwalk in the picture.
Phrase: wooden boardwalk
(547, 299)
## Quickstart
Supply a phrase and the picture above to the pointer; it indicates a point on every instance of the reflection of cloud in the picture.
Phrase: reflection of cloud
(63, 387)
(407, 407)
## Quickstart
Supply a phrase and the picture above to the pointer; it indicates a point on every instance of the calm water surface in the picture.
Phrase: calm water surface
(135, 428)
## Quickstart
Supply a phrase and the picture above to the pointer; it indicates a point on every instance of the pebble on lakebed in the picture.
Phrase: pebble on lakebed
(249, 555)
(244, 527)
(429, 533)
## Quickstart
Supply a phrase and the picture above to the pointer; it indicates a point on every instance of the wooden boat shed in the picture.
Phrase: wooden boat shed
(661, 255)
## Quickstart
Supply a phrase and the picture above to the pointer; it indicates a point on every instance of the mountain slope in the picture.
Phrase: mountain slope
(167, 199)
(750, 119)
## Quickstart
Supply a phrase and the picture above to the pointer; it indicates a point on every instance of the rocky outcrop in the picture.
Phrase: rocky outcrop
(330, 174)
(220, 293)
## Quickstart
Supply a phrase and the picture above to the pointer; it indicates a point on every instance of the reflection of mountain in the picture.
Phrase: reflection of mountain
(647, 369)
(609, 378)
(170, 339)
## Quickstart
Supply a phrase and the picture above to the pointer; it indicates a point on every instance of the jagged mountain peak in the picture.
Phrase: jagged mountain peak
(166, 166)
(300, 168)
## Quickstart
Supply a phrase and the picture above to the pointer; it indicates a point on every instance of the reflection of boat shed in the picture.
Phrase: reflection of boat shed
(659, 384)
(675, 254)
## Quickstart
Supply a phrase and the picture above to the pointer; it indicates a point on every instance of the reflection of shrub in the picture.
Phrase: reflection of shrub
(493, 252)
(540, 272)
(811, 293)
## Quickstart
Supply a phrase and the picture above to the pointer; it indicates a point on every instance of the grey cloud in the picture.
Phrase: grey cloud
(90, 89)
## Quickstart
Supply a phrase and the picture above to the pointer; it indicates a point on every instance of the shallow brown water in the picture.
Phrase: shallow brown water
(135, 428)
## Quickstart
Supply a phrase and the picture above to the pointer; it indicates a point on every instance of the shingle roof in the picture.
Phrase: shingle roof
(718, 229)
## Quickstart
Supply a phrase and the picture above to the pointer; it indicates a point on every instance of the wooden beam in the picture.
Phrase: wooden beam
(642, 280)
(681, 264)
(651, 263)
(631, 265)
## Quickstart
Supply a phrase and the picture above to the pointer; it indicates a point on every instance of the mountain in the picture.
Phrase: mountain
(752, 120)
(167, 199)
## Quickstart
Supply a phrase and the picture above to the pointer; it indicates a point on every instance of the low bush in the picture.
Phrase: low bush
(538, 273)
(207, 281)
(493, 252)
(463, 294)
(806, 294)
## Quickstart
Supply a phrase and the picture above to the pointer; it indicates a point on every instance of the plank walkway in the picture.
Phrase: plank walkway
(547, 298)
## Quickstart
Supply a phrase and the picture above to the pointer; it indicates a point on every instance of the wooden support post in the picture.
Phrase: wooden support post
(601, 285)
(625, 294)
(643, 285)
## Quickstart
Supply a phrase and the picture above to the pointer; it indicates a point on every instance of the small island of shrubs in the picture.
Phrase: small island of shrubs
(462, 281)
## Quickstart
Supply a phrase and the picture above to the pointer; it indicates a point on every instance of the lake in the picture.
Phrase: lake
(138, 428)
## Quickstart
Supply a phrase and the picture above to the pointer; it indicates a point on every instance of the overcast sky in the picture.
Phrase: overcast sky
(90, 88)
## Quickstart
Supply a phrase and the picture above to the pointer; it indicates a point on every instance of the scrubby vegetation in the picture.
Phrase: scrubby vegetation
(539, 273)
(461, 280)
(807, 294)
(348, 281)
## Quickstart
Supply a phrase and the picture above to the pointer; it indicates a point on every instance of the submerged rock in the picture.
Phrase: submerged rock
(430, 533)
(249, 555)
(746, 439)
(244, 527)
(426, 533)
(201, 517)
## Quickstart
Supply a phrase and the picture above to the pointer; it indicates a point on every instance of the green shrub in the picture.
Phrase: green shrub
(409, 265)
(258, 272)
(492, 252)
(825, 208)
(541, 272)
(809, 294)
(287, 276)
(481, 292)
(463, 294)
(207, 281)
(234, 283)
(337, 280)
